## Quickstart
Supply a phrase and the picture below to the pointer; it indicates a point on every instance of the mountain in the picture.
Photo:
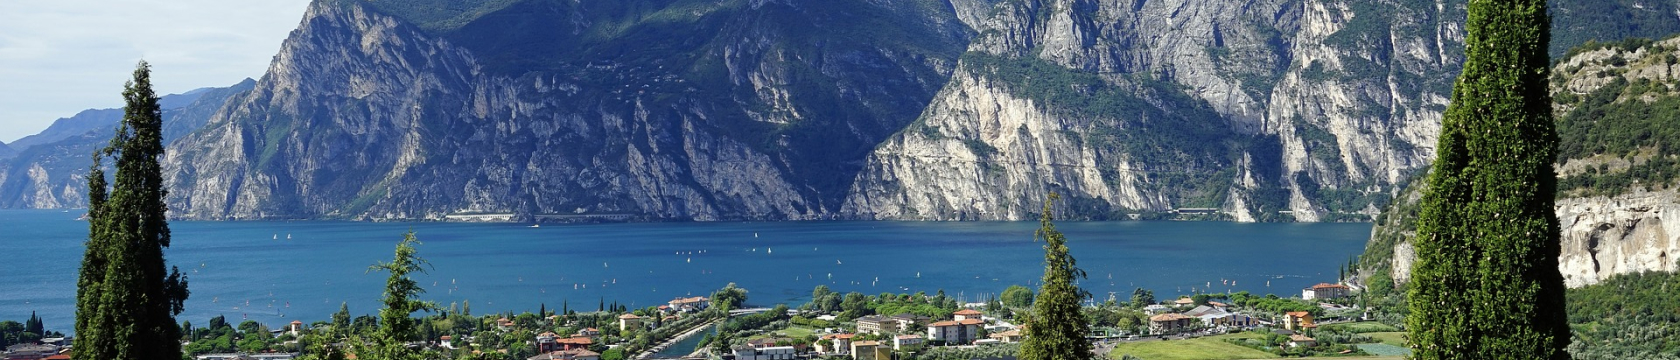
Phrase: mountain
(102, 119)
(656, 109)
(1263, 110)
(6, 151)
(1616, 106)
(49, 170)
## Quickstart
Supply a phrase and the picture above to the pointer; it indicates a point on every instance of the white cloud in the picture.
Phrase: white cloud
(58, 57)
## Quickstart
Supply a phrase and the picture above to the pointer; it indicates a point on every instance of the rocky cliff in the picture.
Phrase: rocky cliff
(1616, 105)
(1261, 110)
(659, 109)
(1298, 110)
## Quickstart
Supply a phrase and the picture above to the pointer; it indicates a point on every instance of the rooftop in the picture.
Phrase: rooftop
(1168, 317)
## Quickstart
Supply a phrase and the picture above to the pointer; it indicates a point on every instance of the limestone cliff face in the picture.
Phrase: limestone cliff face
(1627, 233)
(365, 115)
(1608, 227)
(1323, 107)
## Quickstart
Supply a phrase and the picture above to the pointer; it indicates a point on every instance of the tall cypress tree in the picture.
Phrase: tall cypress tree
(1057, 329)
(1486, 283)
(129, 297)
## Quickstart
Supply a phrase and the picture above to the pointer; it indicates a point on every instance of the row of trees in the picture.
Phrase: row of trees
(29, 331)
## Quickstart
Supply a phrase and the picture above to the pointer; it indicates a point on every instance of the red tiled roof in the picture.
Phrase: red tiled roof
(1328, 286)
(966, 312)
(629, 316)
(1297, 314)
(445, 337)
(575, 340)
(1168, 317)
(839, 336)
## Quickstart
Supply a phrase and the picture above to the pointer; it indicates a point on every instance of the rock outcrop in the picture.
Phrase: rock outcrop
(1609, 224)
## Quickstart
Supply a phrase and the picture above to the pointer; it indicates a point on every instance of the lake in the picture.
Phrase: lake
(278, 271)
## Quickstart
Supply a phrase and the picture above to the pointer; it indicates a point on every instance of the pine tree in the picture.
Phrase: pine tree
(396, 327)
(1486, 283)
(1057, 329)
(127, 297)
(341, 319)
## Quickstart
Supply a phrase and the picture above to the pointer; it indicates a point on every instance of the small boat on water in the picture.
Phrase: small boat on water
(534, 226)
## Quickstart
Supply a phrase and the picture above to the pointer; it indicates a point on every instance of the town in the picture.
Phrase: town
(1324, 320)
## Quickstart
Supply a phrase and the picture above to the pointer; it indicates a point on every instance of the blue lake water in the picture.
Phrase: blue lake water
(278, 271)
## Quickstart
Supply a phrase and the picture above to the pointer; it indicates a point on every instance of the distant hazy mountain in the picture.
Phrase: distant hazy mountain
(49, 168)
(6, 151)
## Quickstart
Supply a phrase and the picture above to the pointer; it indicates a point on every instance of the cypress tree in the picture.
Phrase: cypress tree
(1057, 329)
(128, 297)
(1486, 282)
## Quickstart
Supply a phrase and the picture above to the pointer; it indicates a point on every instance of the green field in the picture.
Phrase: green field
(1392, 338)
(1208, 348)
(796, 331)
(1361, 327)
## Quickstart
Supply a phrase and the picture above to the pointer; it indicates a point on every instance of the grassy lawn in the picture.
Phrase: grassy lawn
(1395, 338)
(796, 331)
(1208, 348)
(1362, 327)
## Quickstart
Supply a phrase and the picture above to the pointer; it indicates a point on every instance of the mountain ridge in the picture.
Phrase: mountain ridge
(1273, 110)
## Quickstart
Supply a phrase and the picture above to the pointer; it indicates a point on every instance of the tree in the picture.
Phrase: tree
(1142, 297)
(396, 327)
(1017, 296)
(341, 319)
(127, 297)
(1057, 330)
(33, 325)
(1486, 282)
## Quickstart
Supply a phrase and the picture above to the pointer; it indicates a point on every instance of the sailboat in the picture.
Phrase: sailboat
(288, 236)
(276, 236)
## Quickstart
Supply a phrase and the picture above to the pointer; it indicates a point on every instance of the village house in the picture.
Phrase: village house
(573, 354)
(908, 342)
(748, 352)
(1168, 323)
(446, 342)
(1153, 309)
(1299, 340)
(1184, 301)
(870, 350)
(591, 332)
(876, 324)
(549, 342)
(1325, 291)
(30, 351)
(955, 331)
(1217, 316)
(966, 314)
(907, 321)
(688, 304)
(1010, 336)
(1298, 320)
(839, 344)
(629, 321)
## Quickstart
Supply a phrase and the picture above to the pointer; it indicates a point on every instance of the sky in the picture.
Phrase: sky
(58, 57)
